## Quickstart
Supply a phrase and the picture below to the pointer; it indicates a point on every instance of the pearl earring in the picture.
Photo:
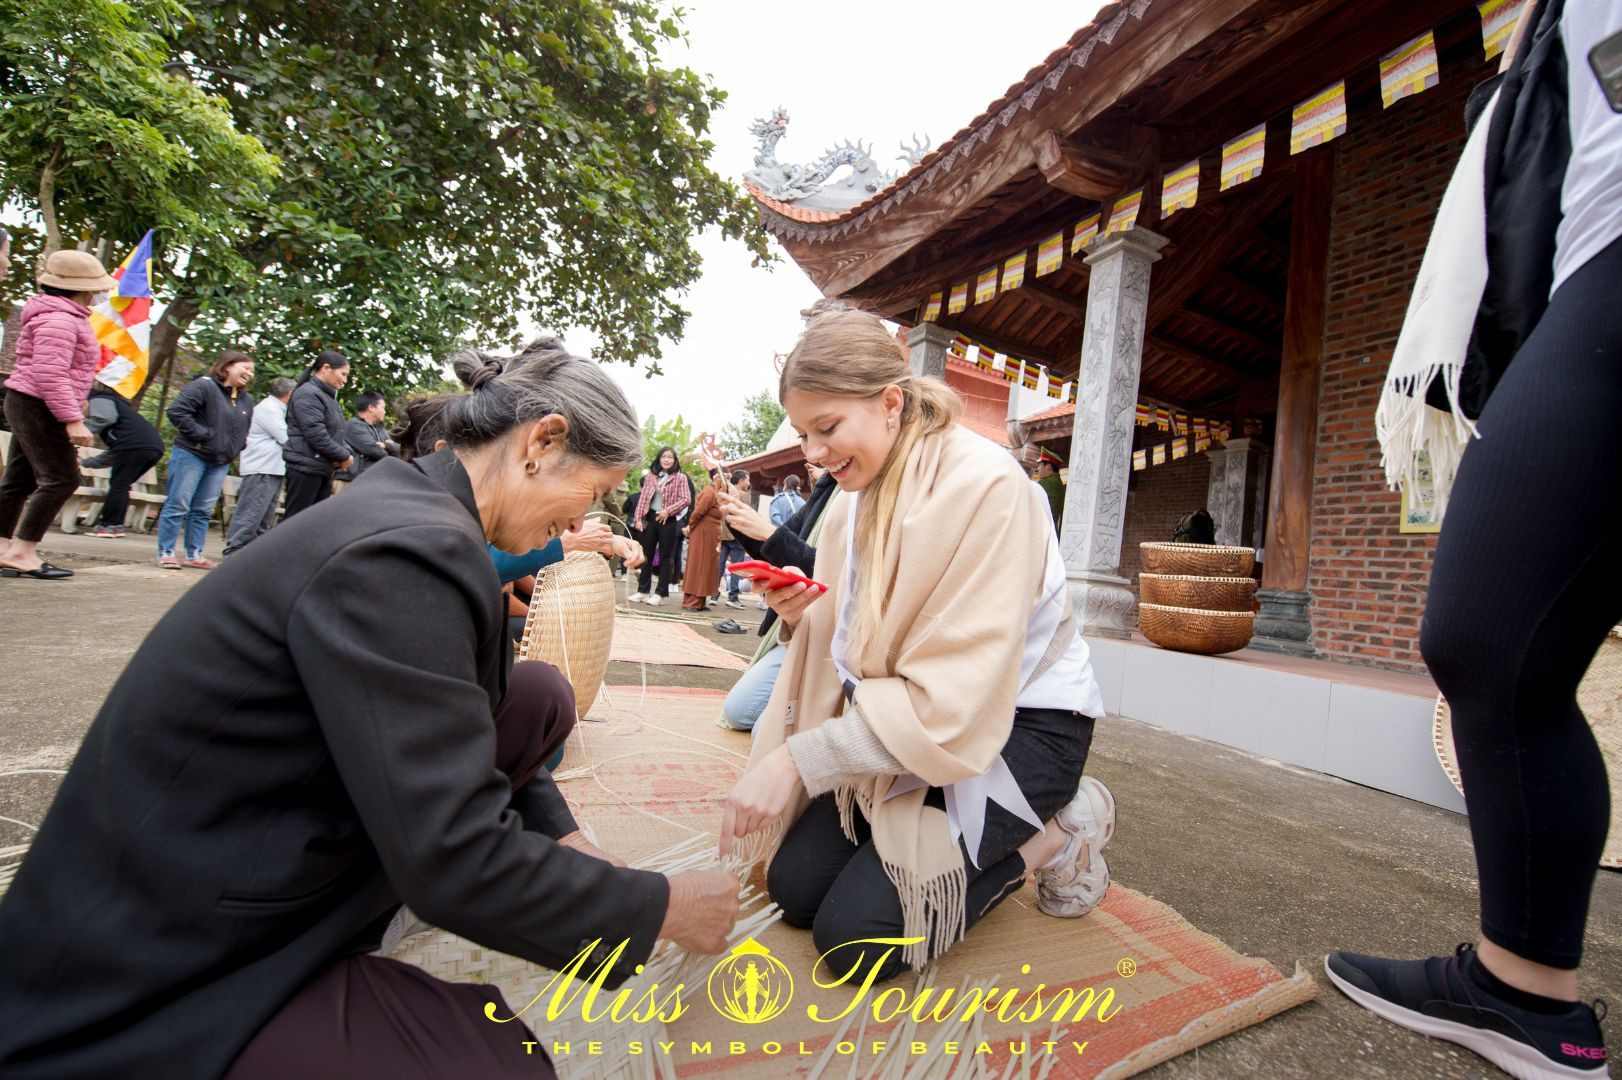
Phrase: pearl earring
(551, 532)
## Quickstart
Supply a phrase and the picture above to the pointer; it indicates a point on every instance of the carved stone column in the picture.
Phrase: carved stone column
(1238, 489)
(1101, 443)
(926, 349)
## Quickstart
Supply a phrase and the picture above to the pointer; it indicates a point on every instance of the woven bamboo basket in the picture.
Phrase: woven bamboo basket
(1192, 630)
(570, 623)
(1204, 593)
(1600, 698)
(1196, 560)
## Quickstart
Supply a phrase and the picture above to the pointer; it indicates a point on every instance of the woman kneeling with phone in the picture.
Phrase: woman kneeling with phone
(924, 745)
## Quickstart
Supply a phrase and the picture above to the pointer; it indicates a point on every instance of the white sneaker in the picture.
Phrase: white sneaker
(734, 603)
(761, 604)
(637, 598)
(1075, 880)
(653, 601)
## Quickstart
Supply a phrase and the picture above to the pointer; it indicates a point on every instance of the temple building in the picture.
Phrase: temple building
(1194, 228)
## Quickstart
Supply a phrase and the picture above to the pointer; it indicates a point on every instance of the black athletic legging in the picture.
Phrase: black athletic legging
(1525, 586)
(665, 538)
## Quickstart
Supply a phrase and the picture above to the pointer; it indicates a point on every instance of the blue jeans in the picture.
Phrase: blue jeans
(748, 697)
(731, 552)
(194, 488)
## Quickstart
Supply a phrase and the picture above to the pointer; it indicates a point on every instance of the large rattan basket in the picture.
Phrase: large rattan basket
(1205, 593)
(570, 623)
(1192, 630)
(1196, 560)
(1600, 698)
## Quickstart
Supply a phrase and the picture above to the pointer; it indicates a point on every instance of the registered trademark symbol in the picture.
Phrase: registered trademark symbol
(1127, 968)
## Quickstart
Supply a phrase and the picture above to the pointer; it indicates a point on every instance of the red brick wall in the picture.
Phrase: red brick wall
(1160, 496)
(1368, 580)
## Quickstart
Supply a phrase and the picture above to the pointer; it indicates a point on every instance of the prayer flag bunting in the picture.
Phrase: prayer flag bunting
(985, 286)
(1071, 396)
(1160, 454)
(1162, 418)
(987, 359)
(1140, 460)
(1202, 443)
(960, 298)
(1409, 70)
(1124, 214)
(1032, 376)
(1011, 368)
(1498, 19)
(1013, 271)
(121, 323)
(1242, 157)
(1142, 416)
(1199, 427)
(1180, 189)
(1054, 389)
(1319, 118)
(1050, 254)
(1086, 229)
(1179, 447)
(932, 308)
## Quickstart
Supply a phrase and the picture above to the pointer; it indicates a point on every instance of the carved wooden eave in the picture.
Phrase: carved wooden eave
(1125, 47)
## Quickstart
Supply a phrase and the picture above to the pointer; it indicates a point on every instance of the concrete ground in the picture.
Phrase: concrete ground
(1279, 862)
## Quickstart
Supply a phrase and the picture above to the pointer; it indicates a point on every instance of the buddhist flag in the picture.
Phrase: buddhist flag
(932, 307)
(985, 286)
(1319, 118)
(960, 298)
(987, 360)
(1180, 189)
(1013, 271)
(1140, 460)
(1179, 447)
(1124, 214)
(1409, 70)
(121, 323)
(1055, 391)
(1142, 415)
(1071, 398)
(1160, 454)
(1032, 375)
(1497, 24)
(1086, 229)
(1012, 369)
(1242, 157)
(1050, 254)
(1200, 431)
(1202, 443)
(1162, 418)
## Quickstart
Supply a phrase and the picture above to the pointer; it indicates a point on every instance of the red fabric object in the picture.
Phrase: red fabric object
(56, 356)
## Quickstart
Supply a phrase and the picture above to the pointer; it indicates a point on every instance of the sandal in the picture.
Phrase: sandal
(45, 572)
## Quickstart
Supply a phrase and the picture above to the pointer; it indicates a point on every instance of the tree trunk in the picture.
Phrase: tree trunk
(166, 335)
(47, 202)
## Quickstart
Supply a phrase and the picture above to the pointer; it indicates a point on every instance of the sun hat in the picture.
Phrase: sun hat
(78, 271)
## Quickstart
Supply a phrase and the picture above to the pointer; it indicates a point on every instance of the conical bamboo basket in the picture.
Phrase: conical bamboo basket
(570, 623)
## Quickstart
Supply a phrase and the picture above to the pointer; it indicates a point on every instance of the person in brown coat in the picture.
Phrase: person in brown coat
(703, 534)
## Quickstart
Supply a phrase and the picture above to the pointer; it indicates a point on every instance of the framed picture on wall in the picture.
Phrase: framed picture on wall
(1419, 505)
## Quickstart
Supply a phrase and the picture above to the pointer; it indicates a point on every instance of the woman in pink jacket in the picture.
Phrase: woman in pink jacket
(45, 397)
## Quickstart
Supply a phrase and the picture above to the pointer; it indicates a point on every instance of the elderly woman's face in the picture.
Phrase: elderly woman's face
(525, 505)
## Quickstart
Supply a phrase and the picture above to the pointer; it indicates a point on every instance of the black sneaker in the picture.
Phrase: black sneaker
(1436, 997)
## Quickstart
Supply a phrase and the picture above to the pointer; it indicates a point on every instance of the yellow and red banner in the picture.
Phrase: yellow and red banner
(1140, 460)
(1498, 19)
(959, 299)
(985, 286)
(1124, 214)
(1409, 70)
(1242, 157)
(1031, 377)
(1180, 189)
(1159, 457)
(1050, 254)
(122, 323)
(932, 308)
(1319, 118)
(1013, 271)
(1086, 229)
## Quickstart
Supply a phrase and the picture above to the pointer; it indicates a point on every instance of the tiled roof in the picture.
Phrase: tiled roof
(786, 219)
(1054, 413)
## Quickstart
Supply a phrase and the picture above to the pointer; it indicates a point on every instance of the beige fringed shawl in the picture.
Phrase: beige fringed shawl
(940, 678)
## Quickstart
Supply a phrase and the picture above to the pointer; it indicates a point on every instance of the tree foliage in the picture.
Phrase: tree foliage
(749, 434)
(677, 433)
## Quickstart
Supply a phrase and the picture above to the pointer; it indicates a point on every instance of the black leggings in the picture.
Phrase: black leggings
(664, 537)
(127, 467)
(1524, 588)
(839, 889)
(304, 490)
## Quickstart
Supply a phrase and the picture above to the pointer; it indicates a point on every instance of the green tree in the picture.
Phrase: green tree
(747, 436)
(677, 433)
(102, 141)
(449, 167)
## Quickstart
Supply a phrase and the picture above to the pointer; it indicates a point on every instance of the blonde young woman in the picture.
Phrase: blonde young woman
(924, 746)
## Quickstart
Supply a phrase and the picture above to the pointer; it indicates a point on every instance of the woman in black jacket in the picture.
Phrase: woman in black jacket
(212, 416)
(315, 433)
(289, 756)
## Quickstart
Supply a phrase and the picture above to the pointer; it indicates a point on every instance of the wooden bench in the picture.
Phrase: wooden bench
(146, 498)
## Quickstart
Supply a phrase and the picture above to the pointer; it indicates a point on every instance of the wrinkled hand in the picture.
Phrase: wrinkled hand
(592, 536)
(743, 518)
(791, 601)
(760, 797)
(629, 550)
(703, 908)
(578, 841)
(79, 435)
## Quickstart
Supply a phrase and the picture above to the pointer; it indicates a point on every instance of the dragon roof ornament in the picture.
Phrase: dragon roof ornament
(814, 186)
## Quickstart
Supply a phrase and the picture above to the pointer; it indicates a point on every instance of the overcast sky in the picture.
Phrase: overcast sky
(875, 70)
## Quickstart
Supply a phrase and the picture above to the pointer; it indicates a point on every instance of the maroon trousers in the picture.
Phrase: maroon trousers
(371, 1017)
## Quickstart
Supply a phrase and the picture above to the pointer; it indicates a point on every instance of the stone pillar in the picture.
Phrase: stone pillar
(1238, 490)
(1101, 443)
(926, 349)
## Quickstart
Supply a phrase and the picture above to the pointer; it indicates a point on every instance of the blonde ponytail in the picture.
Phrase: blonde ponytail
(850, 354)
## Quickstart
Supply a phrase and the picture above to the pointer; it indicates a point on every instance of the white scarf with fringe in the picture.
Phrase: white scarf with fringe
(1435, 335)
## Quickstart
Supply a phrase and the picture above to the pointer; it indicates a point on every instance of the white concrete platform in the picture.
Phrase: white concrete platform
(1365, 725)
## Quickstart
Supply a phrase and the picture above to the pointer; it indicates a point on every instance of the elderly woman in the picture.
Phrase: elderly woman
(320, 730)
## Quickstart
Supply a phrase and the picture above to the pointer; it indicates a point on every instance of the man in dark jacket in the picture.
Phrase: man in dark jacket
(367, 435)
(315, 433)
(133, 447)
